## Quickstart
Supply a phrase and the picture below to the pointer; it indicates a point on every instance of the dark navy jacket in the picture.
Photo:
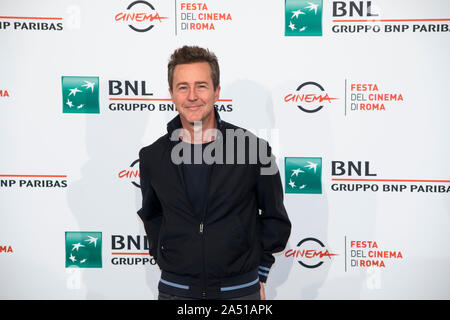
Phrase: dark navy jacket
(229, 249)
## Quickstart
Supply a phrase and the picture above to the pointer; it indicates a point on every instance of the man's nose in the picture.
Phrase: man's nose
(192, 95)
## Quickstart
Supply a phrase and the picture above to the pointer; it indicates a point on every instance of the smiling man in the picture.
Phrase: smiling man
(212, 226)
(194, 88)
(194, 94)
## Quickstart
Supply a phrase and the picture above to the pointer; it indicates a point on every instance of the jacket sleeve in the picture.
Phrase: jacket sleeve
(151, 211)
(275, 226)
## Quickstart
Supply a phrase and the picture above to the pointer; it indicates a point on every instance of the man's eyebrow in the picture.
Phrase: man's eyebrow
(186, 83)
(181, 83)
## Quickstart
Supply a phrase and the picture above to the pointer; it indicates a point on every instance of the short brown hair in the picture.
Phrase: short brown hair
(191, 54)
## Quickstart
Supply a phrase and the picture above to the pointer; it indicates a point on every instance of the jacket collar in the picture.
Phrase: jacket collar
(175, 123)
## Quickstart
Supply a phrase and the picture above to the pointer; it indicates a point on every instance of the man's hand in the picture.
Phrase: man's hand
(262, 293)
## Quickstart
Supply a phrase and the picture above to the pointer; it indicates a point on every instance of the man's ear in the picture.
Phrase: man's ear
(217, 93)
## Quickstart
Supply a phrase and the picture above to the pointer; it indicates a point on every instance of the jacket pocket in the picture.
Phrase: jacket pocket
(179, 252)
(243, 235)
(227, 248)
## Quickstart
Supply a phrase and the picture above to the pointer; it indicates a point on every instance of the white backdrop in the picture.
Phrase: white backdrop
(71, 172)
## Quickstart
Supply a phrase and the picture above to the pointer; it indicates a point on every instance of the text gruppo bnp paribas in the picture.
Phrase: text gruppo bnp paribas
(354, 176)
(350, 17)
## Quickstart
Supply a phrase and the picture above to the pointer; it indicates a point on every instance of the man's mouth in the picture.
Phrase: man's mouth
(193, 108)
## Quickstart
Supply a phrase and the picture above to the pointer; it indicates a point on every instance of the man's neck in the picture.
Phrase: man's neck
(200, 131)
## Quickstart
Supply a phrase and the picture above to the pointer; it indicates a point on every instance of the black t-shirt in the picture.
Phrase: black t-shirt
(196, 178)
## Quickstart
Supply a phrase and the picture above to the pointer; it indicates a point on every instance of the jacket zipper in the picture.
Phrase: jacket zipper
(203, 262)
(201, 227)
(201, 232)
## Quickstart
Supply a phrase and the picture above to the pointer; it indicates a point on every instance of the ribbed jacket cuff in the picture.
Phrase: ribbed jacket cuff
(263, 273)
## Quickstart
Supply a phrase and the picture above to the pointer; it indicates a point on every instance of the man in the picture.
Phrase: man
(202, 192)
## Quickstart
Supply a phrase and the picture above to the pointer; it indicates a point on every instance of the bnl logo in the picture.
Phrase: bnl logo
(80, 94)
(83, 249)
(303, 175)
(303, 17)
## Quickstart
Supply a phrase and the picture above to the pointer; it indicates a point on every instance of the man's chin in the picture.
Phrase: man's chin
(193, 120)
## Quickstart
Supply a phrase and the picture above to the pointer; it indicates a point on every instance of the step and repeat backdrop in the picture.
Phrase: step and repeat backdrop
(352, 96)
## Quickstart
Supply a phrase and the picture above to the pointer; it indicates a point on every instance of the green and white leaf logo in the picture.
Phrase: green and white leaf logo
(303, 18)
(80, 94)
(303, 175)
(83, 249)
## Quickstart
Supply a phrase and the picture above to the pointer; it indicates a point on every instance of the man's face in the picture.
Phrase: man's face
(193, 91)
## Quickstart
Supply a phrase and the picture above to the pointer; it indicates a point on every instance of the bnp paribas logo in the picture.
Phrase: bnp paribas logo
(80, 94)
(83, 249)
(303, 175)
(303, 17)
